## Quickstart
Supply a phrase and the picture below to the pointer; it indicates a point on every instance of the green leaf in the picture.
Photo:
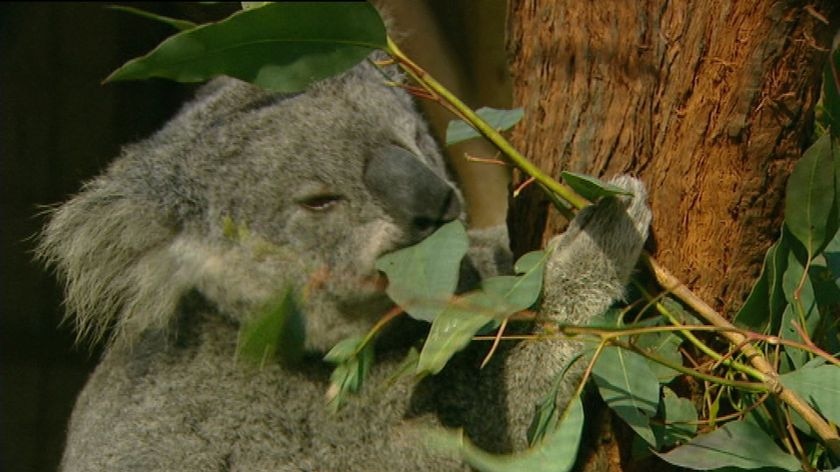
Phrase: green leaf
(519, 292)
(832, 256)
(591, 188)
(557, 452)
(546, 417)
(629, 387)
(180, 25)
(764, 306)
(680, 420)
(279, 46)
(354, 360)
(819, 386)
(454, 328)
(810, 207)
(407, 367)
(276, 331)
(831, 92)
(736, 444)
(666, 346)
(344, 350)
(462, 318)
(458, 130)
(423, 277)
(802, 308)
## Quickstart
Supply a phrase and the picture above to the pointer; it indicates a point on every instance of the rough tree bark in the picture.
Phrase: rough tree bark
(710, 103)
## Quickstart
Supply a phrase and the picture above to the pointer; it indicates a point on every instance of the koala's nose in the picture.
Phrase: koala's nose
(410, 192)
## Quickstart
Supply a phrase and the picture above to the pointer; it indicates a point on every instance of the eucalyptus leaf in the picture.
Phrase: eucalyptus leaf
(546, 414)
(810, 206)
(454, 328)
(343, 350)
(680, 420)
(819, 386)
(281, 46)
(764, 306)
(407, 367)
(353, 359)
(831, 92)
(832, 256)
(737, 444)
(423, 277)
(665, 345)
(275, 332)
(557, 452)
(628, 387)
(591, 188)
(458, 130)
(802, 308)
(522, 291)
(180, 25)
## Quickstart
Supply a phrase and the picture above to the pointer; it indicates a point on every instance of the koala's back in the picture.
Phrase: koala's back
(189, 404)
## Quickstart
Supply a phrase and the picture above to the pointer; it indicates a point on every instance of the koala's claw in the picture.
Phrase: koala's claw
(637, 207)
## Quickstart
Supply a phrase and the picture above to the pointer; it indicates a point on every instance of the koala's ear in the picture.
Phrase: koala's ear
(112, 253)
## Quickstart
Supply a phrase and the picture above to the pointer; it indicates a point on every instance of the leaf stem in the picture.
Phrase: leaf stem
(748, 386)
(374, 331)
(703, 347)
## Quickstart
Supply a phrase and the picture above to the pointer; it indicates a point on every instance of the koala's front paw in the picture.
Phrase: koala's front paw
(636, 205)
(592, 261)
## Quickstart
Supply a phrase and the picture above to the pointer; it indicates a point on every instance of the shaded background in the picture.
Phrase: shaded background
(58, 127)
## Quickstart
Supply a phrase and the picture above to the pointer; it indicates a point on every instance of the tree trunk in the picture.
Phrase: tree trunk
(710, 103)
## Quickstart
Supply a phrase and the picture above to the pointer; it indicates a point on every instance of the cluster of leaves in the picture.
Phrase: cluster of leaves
(636, 367)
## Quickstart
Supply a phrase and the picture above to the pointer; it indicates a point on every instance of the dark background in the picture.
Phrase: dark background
(58, 127)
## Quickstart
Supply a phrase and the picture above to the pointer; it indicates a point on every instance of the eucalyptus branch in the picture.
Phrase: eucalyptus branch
(703, 347)
(748, 386)
(824, 430)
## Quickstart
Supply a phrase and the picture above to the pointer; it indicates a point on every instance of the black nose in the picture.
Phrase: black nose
(411, 193)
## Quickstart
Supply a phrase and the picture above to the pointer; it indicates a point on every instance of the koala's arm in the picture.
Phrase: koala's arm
(587, 271)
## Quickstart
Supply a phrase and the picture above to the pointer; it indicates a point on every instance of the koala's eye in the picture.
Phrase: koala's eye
(320, 202)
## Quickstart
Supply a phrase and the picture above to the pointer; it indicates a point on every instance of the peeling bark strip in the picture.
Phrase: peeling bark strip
(710, 102)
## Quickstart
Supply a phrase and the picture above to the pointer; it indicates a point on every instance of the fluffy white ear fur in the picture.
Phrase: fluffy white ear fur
(113, 256)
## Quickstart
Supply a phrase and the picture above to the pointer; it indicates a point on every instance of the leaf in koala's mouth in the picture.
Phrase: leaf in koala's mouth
(276, 332)
(423, 277)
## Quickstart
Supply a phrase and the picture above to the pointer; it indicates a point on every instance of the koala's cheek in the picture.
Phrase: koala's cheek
(352, 268)
(375, 239)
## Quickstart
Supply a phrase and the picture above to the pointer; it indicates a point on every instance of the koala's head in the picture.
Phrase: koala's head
(246, 193)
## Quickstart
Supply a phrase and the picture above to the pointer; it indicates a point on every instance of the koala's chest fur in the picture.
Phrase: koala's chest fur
(194, 404)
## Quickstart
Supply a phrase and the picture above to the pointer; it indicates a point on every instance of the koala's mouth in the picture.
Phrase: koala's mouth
(347, 288)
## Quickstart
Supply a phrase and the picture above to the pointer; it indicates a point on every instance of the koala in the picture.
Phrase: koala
(317, 185)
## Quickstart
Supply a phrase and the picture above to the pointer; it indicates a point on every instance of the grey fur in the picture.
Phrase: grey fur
(190, 231)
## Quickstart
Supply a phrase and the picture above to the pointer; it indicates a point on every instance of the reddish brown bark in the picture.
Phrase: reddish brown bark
(710, 103)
